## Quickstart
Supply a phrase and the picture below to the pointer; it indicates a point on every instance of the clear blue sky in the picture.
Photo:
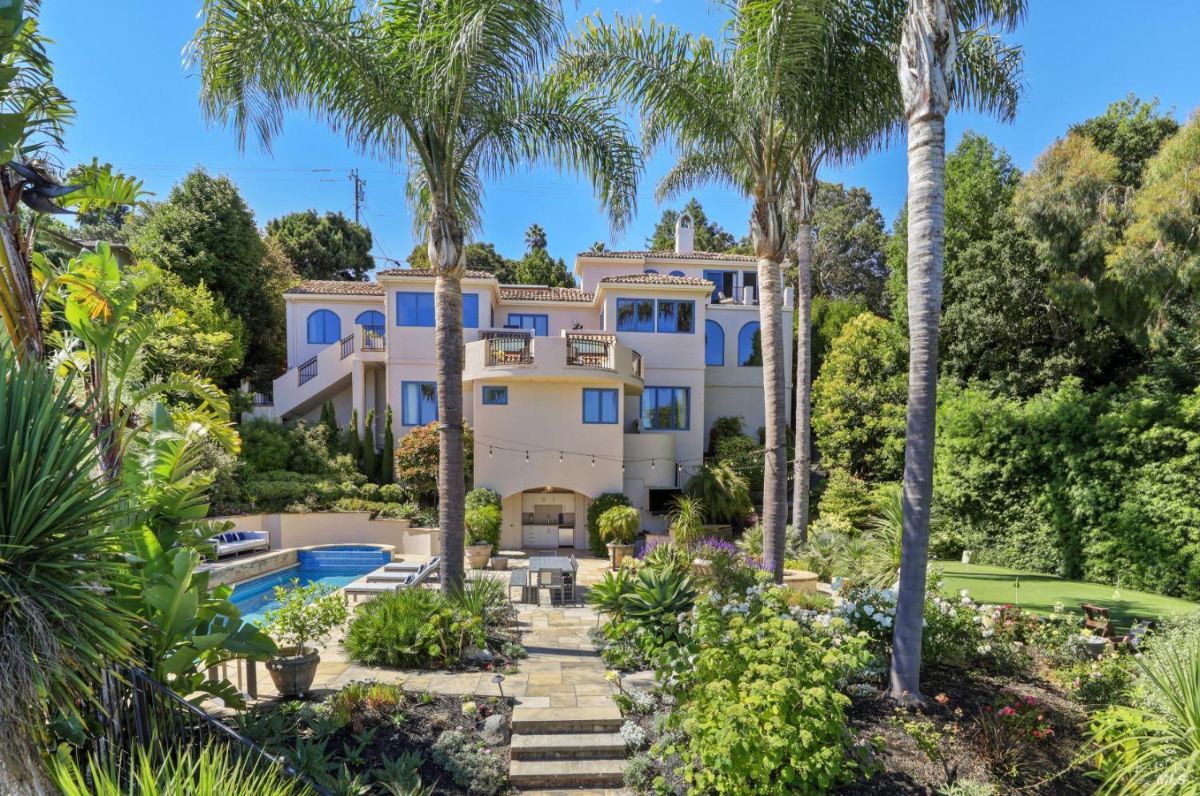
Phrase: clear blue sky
(137, 108)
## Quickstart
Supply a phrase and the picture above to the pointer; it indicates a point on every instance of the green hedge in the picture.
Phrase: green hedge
(598, 506)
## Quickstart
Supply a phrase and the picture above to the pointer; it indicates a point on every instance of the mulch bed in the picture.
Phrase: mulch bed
(906, 770)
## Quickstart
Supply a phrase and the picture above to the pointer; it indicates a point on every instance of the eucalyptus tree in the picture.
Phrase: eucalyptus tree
(456, 90)
(719, 103)
(941, 44)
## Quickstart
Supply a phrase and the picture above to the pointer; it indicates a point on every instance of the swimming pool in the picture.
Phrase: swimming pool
(333, 565)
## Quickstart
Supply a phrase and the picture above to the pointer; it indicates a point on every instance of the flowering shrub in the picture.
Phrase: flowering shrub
(1006, 732)
(758, 695)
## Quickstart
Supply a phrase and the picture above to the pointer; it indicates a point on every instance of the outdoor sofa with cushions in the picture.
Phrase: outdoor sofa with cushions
(234, 542)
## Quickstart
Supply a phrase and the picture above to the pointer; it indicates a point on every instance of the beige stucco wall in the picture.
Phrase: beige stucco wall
(300, 306)
(354, 527)
(559, 316)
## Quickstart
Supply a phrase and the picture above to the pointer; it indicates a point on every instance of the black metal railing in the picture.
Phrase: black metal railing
(307, 370)
(590, 350)
(374, 337)
(138, 712)
(507, 348)
(347, 345)
(262, 399)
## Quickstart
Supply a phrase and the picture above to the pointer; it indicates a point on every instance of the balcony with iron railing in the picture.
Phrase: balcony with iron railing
(578, 355)
(374, 337)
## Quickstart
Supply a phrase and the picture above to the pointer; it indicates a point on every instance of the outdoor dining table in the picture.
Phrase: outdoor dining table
(564, 564)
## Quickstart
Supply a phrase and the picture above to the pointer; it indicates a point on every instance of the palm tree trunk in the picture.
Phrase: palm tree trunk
(926, 61)
(766, 230)
(802, 470)
(446, 256)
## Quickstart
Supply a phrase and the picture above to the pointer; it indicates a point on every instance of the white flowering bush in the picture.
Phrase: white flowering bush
(633, 735)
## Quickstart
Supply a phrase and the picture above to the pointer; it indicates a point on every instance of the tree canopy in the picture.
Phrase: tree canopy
(848, 245)
(709, 235)
(328, 246)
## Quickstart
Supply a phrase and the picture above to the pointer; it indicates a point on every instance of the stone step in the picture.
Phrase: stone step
(554, 721)
(564, 746)
(566, 773)
(580, 791)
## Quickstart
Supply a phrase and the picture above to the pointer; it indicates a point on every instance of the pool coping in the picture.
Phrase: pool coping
(241, 569)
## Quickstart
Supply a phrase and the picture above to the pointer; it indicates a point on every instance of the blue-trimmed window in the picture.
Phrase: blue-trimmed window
(677, 273)
(666, 408)
(470, 310)
(324, 326)
(419, 403)
(495, 396)
(540, 324)
(414, 309)
(650, 271)
(601, 405)
(370, 318)
(676, 317)
(750, 346)
(635, 315)
(714, 344)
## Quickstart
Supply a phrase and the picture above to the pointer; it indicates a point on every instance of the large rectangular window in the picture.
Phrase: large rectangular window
(666, 408)
(419, 400)
(414, 309)
(635, 315)
(495, 396)
(540, 324)
(676, 317)
(470, 310)
(601, 406)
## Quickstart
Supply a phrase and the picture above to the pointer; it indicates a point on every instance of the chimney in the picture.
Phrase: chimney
(685, 235)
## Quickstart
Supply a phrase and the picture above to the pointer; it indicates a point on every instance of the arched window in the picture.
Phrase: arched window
(324, 326)
(370, 318)
(750, 346)
(678, 273)
(714, 343)
(649, 271)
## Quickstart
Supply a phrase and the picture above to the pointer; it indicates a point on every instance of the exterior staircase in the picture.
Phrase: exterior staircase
(557, 750)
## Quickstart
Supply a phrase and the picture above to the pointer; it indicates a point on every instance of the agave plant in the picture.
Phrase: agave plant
(659, 596)
(58, 629)
(608, 595)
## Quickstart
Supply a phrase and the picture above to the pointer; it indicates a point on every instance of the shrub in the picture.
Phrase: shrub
(846, 496)
(266, 445)
(744, 456)
(417, 458)
(391, 493)
(619, 525)
(483, 526)
(723, 427)
(482, 496)
(687, 520)
(597, 507)
(724, 493)
(306, 614)
(472, 766)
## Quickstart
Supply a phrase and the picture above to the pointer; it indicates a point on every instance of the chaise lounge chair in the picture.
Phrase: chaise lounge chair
(234, 542)
(382, 581)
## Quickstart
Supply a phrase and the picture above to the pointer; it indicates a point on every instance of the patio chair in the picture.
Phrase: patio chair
(550, 580)
(1096, 618)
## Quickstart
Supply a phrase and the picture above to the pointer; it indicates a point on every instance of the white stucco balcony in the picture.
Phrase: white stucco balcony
(583, 356)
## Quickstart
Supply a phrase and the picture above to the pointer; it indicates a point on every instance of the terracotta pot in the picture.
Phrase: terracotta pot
(293, 674)
(701, 567)
(618, 552)
(478, 555)
(499, 562)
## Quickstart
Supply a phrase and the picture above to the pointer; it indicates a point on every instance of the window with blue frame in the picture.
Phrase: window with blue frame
(635, 315)
(324, 326)
(677, 273)
(676, 317)
(714, 343)
(650, 271)
(418, 403)
(601, 405)
(495, 396)
(540, 324)
(414, 309)
(470, 310)
(750, 346)
(666, 408)
(370, 318)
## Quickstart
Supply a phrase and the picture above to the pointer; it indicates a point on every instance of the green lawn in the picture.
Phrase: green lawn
(1040, 592)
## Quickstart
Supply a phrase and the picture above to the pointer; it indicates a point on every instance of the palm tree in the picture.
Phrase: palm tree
(940, 41)
(535, 237)
(720, 104)
(455, 90)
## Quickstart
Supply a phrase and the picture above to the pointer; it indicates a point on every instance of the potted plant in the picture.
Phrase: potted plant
(483, 534)
(305, 617)
(617, 527)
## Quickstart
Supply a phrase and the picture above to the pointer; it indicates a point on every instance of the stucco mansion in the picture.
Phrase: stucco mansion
(612, 386)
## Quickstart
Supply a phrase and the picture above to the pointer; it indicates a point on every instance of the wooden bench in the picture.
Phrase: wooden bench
(1096, 618)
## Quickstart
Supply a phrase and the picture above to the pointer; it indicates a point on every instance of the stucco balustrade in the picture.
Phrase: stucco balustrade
(578, 355)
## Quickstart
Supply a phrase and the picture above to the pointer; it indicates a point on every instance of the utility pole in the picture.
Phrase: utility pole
(360, 194)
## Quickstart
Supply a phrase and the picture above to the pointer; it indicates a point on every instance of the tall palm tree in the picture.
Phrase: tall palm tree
(535, 237)
(941, 40)
(458, 91)
(720, 104)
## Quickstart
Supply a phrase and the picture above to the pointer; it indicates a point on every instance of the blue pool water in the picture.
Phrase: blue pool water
(335, 566)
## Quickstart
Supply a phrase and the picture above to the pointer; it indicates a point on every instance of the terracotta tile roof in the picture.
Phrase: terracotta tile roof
(658, 279)
(669, 255)
(536, 293)
(425, 272)
(337, 287)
